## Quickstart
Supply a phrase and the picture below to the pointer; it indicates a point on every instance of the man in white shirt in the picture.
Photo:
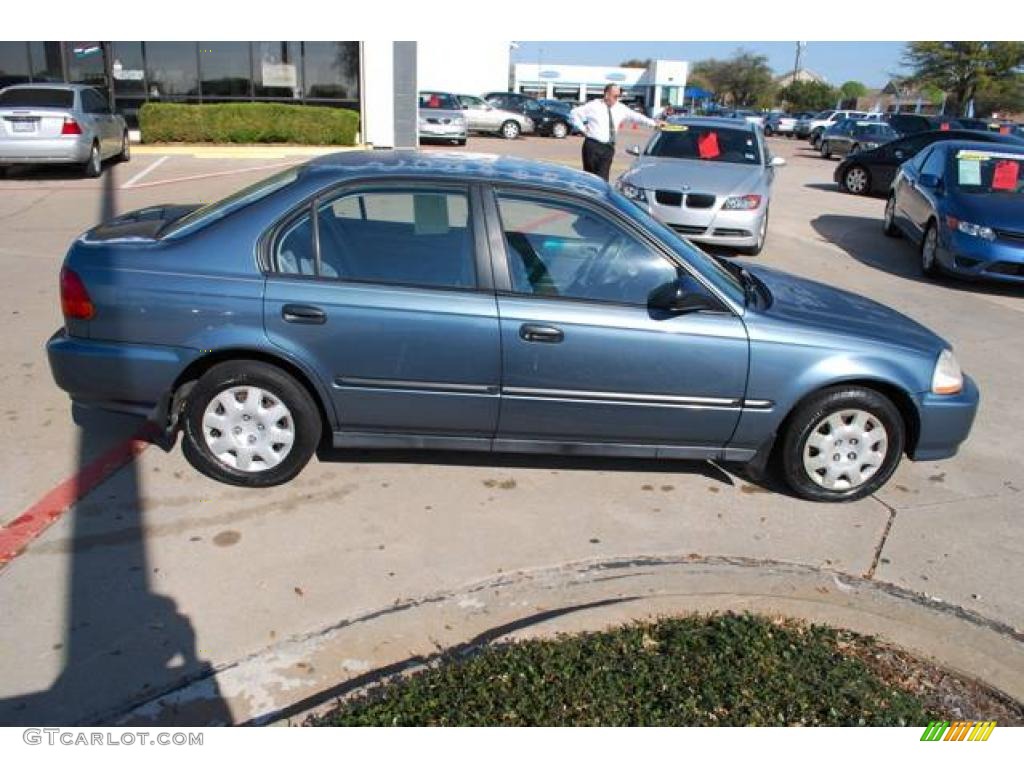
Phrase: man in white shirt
(599, 121)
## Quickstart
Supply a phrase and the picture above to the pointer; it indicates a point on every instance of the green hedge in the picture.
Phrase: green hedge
(247, 123)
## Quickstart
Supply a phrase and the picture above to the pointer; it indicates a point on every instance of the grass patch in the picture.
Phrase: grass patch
(723, 669)
(247, 123)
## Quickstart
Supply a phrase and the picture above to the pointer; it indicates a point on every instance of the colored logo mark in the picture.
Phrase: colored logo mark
(958, 730)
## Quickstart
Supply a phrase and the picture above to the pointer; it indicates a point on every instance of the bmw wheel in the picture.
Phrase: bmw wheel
(510, 129)
(843, 444)
(929, 251)
(856, 180)
(889, 226)
(559, 130)
(251, 424)
(94, 165)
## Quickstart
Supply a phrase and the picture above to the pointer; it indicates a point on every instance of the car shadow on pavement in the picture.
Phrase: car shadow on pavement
(124, 643)
(862, 238)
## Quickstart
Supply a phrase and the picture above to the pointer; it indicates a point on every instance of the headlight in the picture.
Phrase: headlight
(634, 193)
(974, 230)
(947, 379)
(458, 121)
(869, 145)
(744, 203)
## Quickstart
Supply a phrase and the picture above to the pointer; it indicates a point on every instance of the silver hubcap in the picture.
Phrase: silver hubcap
(845, 450)
(560, 131)
(94, 159)
(511, 131)
(856, 180)
(890, 211)
(928, 252)
(248, 428)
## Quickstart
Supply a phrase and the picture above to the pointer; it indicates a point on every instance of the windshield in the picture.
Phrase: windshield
(876, 131)
(203, 217)
(709, 266)
(438, 101)
(697, 142)
(981, 172)
(471, 101)
(53, 98)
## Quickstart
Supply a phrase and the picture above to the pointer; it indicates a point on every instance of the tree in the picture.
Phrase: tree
(852, 90)
(745, 80)
(808, 96)
(638, 63)
(966, 70)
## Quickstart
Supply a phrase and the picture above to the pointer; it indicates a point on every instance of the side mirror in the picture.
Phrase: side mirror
(673, 297)
(777, 162)
(634, 150)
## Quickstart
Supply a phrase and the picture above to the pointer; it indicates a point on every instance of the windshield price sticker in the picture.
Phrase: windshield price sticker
(969, 172)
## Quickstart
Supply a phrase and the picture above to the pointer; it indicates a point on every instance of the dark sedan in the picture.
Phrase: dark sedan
(851, 136)
(872, 171)
(962, 203)
(547, 121)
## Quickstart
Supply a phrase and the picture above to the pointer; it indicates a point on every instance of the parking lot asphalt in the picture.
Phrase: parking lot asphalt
(162, 595)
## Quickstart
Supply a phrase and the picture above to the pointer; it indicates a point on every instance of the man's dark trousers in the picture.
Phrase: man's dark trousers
(597, 157)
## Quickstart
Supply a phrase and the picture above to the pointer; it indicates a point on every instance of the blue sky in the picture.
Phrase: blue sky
(869, 62)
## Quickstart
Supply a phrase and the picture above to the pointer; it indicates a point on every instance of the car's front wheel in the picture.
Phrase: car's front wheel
(889, 226)
(856, 180)
(842, 444)
(560, 130)
(510, 129)
(251, 424)
(929, 251)
(762, 236)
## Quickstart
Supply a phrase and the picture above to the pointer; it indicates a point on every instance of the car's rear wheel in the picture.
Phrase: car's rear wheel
(889, 226)
(251, 424)
(929, 251)
(126, 149)
(510, 129)
(559, 130)
(856, 180)
(842, 444)
(94, 165)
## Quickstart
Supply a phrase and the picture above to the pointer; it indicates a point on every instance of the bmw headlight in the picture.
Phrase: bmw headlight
(742, 203)
(458, 120)
(947, 378)
(974, 230)
(633, 192)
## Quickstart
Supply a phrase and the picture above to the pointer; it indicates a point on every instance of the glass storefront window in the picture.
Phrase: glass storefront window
(276, 70)
(172, 70)
(45, 59)
(13, 63)
(225, 69)
(331, 70)
(85, 63)
(127, 69)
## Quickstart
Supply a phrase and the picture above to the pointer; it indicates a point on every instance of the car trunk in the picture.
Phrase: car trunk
(31, 122)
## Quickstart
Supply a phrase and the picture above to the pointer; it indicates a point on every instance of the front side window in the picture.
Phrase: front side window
(562, 250)
(400, 237)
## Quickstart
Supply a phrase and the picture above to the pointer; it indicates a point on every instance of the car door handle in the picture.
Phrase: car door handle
(306, 315)
(543, 333)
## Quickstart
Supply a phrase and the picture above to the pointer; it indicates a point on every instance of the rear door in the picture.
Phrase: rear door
(584, 357)
(391, 309)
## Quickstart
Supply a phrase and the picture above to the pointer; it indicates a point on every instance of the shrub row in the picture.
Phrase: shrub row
(247, 123)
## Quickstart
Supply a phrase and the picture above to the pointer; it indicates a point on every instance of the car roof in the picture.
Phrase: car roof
(735, 123)
(50, 86)
(382, 164)
(980, 146)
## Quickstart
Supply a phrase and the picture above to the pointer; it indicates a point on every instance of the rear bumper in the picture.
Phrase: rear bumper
(946, 421)
(128, 378)
(66, 149)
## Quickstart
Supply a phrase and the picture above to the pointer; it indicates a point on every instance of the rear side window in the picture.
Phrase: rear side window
(47, 98)
(401, 237)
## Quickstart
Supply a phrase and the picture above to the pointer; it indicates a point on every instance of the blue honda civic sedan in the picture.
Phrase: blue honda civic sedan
(475, 302)
(962, 203)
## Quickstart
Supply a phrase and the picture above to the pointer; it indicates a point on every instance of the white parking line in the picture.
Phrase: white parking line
(214, 174)
(144, 171)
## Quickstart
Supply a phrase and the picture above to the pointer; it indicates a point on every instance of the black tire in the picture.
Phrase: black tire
(510, 129)
(306, 423)
(94, 165)
(889, 226)
(560, 130)
(857, 180)
(930, 266)
(805, 420)
(754, 250)
(768, 132)
(126, 149)
(460, 142)
(826, 151)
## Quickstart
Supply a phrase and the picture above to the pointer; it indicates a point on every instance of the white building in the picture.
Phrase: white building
(662, 83)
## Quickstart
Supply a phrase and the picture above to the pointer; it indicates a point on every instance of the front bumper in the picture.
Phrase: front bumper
(64, 149)
(977, 258)
(714, 226)
(115, 376)
(441, 131)
(945, 422)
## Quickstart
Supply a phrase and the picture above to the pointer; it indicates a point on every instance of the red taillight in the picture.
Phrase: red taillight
(70, 127)
(74, 299)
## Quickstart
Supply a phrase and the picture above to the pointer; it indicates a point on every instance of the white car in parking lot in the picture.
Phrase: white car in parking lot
(47, 124)
(482, 117)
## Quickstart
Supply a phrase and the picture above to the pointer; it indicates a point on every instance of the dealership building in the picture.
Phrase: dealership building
(658, 85)
(378, 79)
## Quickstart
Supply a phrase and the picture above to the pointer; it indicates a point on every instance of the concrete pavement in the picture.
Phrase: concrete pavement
(165, 595)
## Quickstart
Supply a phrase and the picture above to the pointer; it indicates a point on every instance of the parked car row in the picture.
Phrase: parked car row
(453, 116)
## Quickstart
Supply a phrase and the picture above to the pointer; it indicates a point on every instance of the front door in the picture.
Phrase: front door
(391, 317)
(584, 357)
